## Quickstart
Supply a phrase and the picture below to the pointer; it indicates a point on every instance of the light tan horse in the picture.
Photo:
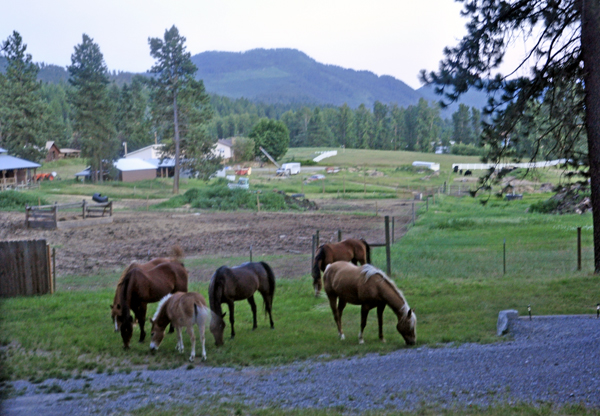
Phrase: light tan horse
(369, 287)
(182, 310)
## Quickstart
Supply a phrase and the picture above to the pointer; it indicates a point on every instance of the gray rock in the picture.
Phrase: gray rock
(504, 318)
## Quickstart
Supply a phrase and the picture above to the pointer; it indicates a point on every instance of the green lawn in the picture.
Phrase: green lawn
(450, 267)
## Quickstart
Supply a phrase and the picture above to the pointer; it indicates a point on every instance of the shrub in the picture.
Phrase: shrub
(13, 200)
(545, 207)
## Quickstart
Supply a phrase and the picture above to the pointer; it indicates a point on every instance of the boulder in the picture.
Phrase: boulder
(504, 318)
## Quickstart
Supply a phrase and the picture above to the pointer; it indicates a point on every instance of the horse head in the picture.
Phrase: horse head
(217, 327)
(407, 327)
(157, 334)
(316, 272)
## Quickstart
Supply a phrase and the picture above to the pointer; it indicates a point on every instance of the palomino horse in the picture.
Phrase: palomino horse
(115, 308)
(141, 287)
(369, 287)
(238, 283)
(352, 249)
(181, 310)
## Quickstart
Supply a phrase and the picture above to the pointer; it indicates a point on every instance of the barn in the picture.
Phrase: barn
(132, 170)
(15, 171)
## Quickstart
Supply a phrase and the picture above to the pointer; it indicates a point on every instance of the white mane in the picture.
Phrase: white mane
(369, 270)
(160, 305)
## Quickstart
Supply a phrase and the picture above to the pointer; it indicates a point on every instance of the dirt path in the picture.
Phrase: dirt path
(138, 235)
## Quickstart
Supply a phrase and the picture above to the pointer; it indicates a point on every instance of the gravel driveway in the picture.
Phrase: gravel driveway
(550, 359)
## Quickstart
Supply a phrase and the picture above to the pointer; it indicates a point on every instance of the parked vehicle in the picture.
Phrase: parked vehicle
(288, 169)
(316, 177)
(242, 183)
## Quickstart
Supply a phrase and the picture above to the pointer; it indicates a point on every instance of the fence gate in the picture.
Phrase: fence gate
(25, 268)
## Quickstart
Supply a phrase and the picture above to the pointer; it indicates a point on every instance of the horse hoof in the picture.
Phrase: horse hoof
(342, 337)
(192, 359)
(383, 340)
(361, 341)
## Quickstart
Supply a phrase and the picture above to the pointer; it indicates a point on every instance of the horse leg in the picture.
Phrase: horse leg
(253, 307)
(380, 309)
(140, 314)
(341, 306)
(202, 328)
(364, 314)
(231, 319)
(179, 340)
(190, 331)
(269, 306)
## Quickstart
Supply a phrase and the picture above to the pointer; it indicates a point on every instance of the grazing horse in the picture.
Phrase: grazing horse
(238, 283)
(352, 249)
(371, 288)
(181, 310)
(141, 287)
(115, 308)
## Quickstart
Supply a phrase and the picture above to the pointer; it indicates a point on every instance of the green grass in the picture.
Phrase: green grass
(14, 200)
(238, 409)
(449, 266)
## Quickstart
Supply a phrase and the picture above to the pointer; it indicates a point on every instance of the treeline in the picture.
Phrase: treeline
(385, 127)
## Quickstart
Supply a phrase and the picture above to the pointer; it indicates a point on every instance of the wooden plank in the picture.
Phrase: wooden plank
(88, 222)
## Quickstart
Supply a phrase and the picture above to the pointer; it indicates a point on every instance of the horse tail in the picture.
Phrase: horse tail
(214, 289)
(177, 253)
(367, 250)
(316, 268)
(124, 296)
(270, 277)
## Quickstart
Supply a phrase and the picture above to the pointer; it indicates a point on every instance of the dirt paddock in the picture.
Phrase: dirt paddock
(138, 235)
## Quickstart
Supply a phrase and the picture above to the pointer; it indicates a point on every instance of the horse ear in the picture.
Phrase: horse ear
(119, 306)
(151, 321)
(409, 313)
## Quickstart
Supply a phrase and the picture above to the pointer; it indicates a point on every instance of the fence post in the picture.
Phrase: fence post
(339, 235)
(323, 183)
(53, 288)
(388, 253)
(110, 210)
(49, 265)
(83, 209)
(504, 256)
(257, 203)
(55, 214)
(27, 209)
(578, 248)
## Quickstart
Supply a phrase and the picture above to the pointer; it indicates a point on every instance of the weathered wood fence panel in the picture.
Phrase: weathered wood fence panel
(24, 268)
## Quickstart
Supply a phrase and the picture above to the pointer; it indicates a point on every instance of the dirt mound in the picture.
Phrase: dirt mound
(571, 199)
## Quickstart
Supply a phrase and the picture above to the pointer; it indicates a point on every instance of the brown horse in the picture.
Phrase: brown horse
(115, 308)
(238, 283)
(371, 288)
(352, 249)
(181, 310)
(141, 287)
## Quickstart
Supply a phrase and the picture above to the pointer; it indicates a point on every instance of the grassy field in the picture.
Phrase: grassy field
(449, 266)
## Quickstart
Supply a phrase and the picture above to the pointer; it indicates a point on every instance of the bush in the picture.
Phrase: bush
(545, 207)
(13, 200)
(467, 150)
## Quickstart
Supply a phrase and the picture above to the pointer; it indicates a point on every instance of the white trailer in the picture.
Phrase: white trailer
(289, 169)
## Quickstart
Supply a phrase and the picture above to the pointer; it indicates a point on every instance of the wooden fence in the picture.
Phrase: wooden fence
(25, 268)
(47, 216)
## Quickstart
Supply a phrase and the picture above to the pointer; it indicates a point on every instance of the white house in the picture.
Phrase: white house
(153, 151)
(224, 148)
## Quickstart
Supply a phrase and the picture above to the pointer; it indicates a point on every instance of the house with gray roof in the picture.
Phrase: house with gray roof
(15, 171)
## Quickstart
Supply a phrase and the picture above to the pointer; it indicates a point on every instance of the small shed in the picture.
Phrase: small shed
(132, 170)
(52, 151)
(70, 153)
(14, 171)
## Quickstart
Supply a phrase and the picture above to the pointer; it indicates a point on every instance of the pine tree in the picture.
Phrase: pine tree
(23, 113)
(181, 107)
(92, 109)
(564, 64)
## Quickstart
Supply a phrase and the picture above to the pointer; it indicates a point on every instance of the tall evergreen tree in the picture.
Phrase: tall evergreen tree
(23, 113)
(181, 106)
(92, 109)
(461, 119)
(564, 62)
(132, 122)
(344, 127)
(318, 133)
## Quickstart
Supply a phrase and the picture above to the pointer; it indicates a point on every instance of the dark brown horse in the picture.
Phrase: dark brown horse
(371, 288)
(352, 249)
(238, 283)
(140, 287)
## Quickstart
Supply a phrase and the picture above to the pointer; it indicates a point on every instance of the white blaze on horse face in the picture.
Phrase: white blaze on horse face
(116, 325)
(153, 346)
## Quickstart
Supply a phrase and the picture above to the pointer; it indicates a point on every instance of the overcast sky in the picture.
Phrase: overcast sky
(387, 37)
